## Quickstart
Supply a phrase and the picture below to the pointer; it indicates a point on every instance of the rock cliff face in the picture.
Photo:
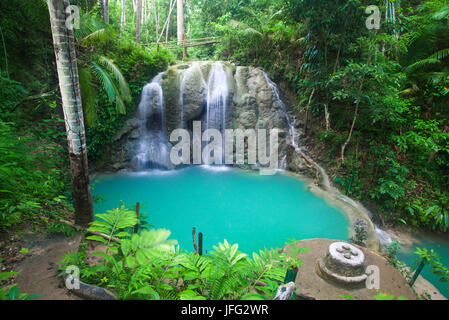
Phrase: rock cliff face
(219, 94)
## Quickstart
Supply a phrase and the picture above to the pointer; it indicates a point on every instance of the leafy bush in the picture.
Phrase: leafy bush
(431, 258)
(393, 248)
(11, 92)
(360, 233)
(30, 185)
(149, 265)
(12, 293)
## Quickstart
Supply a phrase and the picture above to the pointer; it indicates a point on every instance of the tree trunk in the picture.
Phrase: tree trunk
(64, 45)
(156, 22)
(168, 25)
(138, 20)
(181, 34)
(167, 22)
(106, 11)
(150, 5)
(144, 12)
(359, 94)
(123, 20)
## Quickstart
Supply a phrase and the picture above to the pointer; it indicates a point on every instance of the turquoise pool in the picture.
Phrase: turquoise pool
(243, 207)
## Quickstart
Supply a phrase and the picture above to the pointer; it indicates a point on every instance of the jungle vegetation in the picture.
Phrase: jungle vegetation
(374, 103)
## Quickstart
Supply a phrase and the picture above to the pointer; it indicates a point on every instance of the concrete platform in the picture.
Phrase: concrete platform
(310, 286)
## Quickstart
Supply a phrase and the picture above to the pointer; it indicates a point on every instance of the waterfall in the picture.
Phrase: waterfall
(217, 98)
(325, 178)
(181, 99)
(383, 236)
(217, 101)
(153, 148)
(291, 126)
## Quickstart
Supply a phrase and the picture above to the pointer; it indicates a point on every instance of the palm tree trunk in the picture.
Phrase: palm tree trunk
(138, 20)
(123, 20)
(181, 33)
(63, 41)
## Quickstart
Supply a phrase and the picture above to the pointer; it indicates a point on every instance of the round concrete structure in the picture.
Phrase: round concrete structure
(310, 285)
(346, 254)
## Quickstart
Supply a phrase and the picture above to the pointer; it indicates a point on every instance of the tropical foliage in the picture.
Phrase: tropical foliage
(149, 265)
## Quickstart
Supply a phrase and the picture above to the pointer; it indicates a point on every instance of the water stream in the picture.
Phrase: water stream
(153, 149)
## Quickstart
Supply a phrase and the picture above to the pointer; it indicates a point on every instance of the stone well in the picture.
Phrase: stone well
(330, 272)
(344, 264)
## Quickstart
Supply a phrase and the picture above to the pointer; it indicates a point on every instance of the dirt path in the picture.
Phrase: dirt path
(39, 268)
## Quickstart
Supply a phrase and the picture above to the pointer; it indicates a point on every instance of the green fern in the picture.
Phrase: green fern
(113, 224)
(440, 55)
(97, 69)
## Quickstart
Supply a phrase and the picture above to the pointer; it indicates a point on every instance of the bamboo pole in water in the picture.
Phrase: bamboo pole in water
(194, 240)
(200, 243)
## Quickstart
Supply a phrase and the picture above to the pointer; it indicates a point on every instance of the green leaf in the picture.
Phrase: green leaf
(148, 291)
(253, 296)
(190, 295)
(13, 292)
(97, 238)
(6, 275)
(131, 262)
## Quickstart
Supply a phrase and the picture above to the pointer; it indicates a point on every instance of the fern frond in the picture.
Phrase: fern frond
(420, 64)
(101, 36)
(114, 222)
(442, 14)
(243, 27)
(105, 81)
(88, 96)
(440, 55)
(116, 73)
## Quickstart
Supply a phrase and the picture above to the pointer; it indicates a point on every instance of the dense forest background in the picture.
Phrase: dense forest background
(374, 104)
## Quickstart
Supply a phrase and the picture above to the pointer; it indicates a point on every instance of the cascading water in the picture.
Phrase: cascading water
(181, 99)
(153, 148)
(217, 98)
(325, 178)
(217, 101)
(291, 126)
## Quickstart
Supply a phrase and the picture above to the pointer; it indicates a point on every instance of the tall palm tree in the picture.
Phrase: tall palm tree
(64, 45)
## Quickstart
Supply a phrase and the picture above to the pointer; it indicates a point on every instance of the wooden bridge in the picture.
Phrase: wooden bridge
(188, 43)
